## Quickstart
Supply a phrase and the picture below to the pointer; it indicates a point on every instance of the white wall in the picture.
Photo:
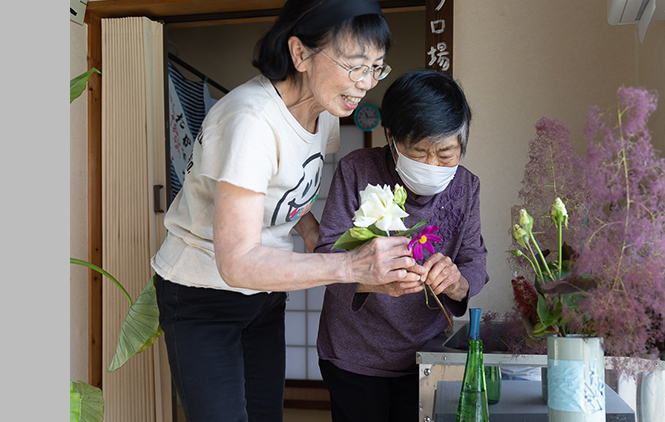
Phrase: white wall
(78, 210)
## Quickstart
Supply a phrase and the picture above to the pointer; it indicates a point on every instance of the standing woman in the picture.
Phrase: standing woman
(254, 172)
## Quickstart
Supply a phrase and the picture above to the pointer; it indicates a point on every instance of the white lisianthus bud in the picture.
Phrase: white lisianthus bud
(526, 221)
(518, 253)
(520, 235)
(377, 207)
(400, 195)
(559, 214)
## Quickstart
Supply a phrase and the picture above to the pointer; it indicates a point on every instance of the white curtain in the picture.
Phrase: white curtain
(133, 161)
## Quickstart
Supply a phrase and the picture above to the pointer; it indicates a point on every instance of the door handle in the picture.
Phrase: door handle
(157, 189)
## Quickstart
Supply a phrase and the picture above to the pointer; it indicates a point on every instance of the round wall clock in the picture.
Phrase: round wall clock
(367, 117)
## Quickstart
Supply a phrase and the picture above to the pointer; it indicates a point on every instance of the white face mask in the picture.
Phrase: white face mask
(423, 179)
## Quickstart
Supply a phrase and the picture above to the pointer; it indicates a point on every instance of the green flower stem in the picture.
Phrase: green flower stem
(536, 268)
(532, 264)
(438, 302)
(560, 261)
(624, 164)
(540, 253)
(101, 271)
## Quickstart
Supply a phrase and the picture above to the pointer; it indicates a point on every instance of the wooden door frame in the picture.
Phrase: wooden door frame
(182, 13)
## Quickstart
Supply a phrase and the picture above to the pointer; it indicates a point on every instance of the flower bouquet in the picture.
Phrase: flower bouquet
(381, 212)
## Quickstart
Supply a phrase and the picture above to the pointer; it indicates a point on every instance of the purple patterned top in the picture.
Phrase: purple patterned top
(375, 334)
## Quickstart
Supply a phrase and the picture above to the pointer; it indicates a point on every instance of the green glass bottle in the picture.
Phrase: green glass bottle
(493, 384)
(473, 405)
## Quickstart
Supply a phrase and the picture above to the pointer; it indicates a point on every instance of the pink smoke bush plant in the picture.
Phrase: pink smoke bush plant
(615, 197)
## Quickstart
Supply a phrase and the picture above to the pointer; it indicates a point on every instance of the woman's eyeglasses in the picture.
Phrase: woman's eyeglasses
(359, 72)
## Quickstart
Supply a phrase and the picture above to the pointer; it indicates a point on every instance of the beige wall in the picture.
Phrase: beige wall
(521, 60)
(651, 74)
(78, 211)
(518, 60)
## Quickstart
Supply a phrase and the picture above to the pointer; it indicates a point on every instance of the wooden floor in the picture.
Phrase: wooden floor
(290, 415)
(306, 415)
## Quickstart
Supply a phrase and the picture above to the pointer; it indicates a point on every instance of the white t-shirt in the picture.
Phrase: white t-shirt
(251, 140)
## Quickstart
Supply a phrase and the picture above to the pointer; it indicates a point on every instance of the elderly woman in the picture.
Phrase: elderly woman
(369, 335)
(254, 173)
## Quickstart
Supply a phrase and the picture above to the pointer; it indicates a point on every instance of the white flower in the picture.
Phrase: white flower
(377, 206)
(559, 214)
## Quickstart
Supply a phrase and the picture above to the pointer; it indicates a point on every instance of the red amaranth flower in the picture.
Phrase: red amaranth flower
(526, 298)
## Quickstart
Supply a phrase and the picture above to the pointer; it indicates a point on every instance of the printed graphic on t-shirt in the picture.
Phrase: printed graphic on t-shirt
(297, 201)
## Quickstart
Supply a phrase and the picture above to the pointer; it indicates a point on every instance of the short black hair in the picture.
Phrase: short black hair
(426, 103)
(272, 56)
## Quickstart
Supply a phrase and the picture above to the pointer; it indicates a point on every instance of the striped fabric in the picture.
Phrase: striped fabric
(195, 100)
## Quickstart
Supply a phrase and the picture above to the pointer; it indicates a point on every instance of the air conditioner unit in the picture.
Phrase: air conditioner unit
(641, 12)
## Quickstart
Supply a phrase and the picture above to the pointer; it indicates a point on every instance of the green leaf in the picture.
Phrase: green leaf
(104, 273)
(547, 316)
(140, 328)
(86, 403)
(74, 404)
(540, 329)
(413, 228)
(571, 285)
(77, 85)
(347, 242)
(377, 231)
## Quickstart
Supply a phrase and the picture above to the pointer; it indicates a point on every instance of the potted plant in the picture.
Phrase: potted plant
(610, 282)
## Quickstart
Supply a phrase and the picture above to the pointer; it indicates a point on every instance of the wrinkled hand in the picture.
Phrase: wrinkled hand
(382, 260)
(394, 289)
(444, 277)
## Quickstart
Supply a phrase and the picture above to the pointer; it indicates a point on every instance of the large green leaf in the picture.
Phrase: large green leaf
(86, 403)
(140, 328)
(549, 317)
(77, 85)
(74, 404)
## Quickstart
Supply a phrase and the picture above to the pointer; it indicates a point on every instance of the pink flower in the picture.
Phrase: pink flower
(424, 239)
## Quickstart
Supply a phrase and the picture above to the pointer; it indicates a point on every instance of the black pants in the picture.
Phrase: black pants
(360, 398)
(226, 352)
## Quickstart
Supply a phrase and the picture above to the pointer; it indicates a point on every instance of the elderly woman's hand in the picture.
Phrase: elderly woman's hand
(444, 277)
(394, 289)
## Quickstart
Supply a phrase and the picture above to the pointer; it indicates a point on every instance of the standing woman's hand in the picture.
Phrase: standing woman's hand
(381, 260)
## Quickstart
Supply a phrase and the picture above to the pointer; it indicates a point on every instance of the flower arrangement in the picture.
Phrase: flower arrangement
(381, 212)
(555, 288)
(610, 281)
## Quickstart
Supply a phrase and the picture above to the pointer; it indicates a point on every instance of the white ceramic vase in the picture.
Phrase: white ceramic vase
(575, 379)
(651, 396)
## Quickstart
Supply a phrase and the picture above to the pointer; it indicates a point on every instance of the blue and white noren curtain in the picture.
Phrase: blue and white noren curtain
(189, 102)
